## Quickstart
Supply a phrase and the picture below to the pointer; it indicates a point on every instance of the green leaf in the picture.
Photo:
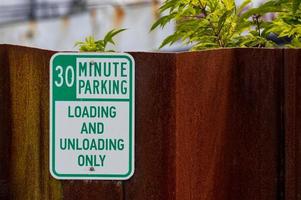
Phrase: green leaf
(229, 4)
(270, 6)
(90, 45)
(168, 4)
(296, 4)
(296, 43)
(243, 6)
(222, 20)
(169, 40)
(163, 21)
(109, 36)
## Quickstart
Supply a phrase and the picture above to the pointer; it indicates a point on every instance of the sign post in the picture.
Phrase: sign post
(92, 116)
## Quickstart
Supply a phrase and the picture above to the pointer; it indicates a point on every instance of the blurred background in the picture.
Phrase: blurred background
(58, 24)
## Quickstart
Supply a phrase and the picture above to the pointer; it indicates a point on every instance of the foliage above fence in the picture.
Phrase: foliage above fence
(92, 45)
(221, 23)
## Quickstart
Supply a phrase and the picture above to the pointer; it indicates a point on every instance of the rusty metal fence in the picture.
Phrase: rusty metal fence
(212, 125)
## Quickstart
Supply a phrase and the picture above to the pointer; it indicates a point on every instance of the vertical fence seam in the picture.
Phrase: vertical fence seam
(9, 115)
(281, 140)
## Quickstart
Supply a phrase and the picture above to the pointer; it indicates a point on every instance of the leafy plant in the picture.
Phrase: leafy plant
(92, 45)
(287, 24)
(221, 23)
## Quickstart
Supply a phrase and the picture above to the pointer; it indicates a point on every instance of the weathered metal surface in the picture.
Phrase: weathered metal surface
(292, 111)
(210, 125)
(154, 176)
(28, 147)
(5, 125)
(228, 123)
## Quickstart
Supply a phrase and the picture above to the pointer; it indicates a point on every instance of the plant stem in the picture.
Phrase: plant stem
(258, 24)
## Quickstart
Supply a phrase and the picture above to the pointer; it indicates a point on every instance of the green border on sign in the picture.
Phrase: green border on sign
(130, 100)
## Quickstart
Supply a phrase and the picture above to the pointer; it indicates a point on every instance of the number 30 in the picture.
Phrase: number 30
(68, 76)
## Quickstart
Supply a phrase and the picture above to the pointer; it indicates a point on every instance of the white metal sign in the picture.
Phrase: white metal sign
(92, 116)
